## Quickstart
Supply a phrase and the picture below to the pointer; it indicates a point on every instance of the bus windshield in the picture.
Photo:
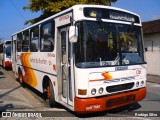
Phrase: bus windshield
(8, 51)
(108, 44)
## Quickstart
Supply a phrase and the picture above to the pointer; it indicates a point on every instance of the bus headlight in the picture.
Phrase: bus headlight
(100, 90)
(142, 82)
(93, 91)
(137, 84)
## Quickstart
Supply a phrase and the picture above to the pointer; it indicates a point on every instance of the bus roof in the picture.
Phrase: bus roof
(71, 8)
(5, 42)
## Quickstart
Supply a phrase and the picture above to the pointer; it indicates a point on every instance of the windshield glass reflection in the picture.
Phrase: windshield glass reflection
(108, 44)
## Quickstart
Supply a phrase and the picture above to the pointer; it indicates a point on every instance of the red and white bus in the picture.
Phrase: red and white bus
(5, 54)
(88, 58)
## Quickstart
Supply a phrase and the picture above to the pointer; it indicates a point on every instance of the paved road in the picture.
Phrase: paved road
(15, 97)
(12, 95)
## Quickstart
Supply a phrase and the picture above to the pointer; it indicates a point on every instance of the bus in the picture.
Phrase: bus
(88, 58)
(5, 54)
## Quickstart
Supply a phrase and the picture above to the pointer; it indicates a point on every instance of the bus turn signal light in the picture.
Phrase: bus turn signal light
(82, 92)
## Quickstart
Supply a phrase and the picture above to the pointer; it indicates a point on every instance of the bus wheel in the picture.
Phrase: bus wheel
(21, 80)
(50, 95)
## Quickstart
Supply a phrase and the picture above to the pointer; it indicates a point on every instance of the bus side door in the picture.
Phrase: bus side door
(65, 64)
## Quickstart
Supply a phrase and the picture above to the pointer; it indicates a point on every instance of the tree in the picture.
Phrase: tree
(126, 40)
(50, 7)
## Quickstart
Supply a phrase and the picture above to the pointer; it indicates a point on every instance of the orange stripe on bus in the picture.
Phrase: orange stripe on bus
(106, 76)
(29, 76)
(97, 80)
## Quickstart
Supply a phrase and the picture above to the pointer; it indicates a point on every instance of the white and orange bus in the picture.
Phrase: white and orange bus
(88, 58)
(5, 54)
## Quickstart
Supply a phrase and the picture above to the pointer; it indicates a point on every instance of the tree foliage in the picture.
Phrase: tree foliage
(50, 7)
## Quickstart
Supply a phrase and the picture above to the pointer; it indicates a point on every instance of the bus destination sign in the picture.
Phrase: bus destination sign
(110, 14)
(121, 16)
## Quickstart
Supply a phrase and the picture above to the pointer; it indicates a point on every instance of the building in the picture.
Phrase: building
(151, 35)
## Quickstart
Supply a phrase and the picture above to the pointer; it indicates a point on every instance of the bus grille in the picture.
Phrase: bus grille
(116, 88)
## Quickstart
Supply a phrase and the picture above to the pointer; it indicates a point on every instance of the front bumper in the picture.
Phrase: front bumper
(8, 64)
(108, 102)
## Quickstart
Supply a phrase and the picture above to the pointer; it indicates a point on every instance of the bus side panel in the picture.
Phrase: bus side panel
(37, 65)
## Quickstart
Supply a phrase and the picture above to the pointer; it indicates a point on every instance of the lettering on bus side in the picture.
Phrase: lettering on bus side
(121, 68)
(64, 17)
(93, 107)
(51, 55)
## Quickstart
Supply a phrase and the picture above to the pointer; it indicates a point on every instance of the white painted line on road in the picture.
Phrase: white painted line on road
(156, 85)
(140, 118)
(1, 75)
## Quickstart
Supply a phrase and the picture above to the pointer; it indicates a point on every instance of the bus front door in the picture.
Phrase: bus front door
(66, 79)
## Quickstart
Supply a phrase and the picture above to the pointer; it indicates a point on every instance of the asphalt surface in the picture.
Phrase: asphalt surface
(153, 79)
(13, 96)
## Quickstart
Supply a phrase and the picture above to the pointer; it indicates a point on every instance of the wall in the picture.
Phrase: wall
(152, 45)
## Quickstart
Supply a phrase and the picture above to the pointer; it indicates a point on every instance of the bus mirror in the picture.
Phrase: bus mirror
(73, 34)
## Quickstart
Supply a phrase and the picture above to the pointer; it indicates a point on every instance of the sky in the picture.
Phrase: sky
(13, 17)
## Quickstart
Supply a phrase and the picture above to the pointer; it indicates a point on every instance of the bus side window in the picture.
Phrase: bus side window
(34, 39)
(25, 42)
(19, 42)
(47, 37)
